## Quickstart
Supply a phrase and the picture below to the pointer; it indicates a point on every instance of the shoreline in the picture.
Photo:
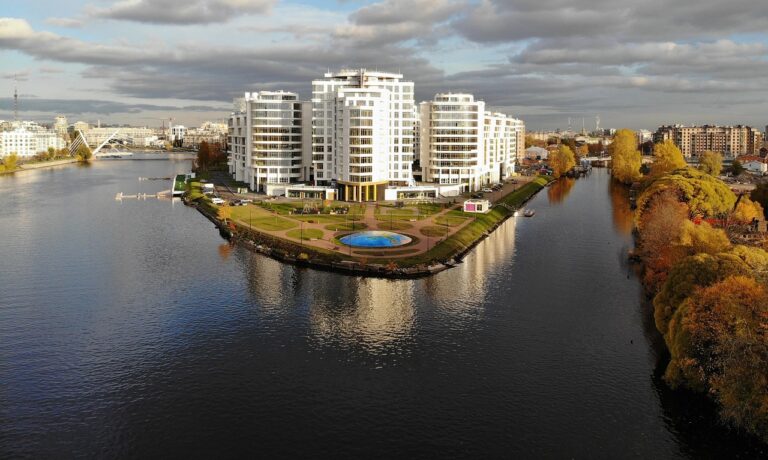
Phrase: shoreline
(286, 251)
(41, 165)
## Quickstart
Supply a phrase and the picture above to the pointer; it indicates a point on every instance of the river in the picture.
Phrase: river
(131, 329)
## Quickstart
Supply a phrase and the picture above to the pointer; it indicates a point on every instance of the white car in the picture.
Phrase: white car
(217, 200)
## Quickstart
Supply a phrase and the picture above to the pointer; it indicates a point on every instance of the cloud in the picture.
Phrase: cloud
(86, 106)
(181, 13)
(647, 62)
(623, 20)
(71, 23)
(394, 21)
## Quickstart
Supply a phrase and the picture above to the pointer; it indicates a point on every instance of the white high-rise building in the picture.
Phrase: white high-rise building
(363, 128)
(60, 126)
(27, 142)
(269, 142)
(463, 144)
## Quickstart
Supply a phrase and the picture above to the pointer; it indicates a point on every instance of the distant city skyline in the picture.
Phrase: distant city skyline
(638, 65)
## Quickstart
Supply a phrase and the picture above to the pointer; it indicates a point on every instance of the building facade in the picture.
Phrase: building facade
(26, 142)
(462, 143)
(731, 141)
(362, 132)
(360, 135)
(210, 132)
(268, 142)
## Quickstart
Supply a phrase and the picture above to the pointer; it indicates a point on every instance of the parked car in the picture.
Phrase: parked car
(487, 190)
(217, 200)
(476, 196)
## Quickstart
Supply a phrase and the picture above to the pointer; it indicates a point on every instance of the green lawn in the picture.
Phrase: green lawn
(258, 218)
(325, 218)
(306, 234)
(345, 227)
(434, 231)
(452, 218)
(394, 225)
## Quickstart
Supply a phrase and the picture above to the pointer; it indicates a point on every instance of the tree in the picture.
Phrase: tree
(203, 156)
(706, 196)
(702, 238)
(83, 153)
(224, 213)
(11, 162)
(691, 273)
(666, 158)
(736, 168)
(561, 161)
(719, 345)
(531, 142)
(659, 231)
(711, 163)
(760, 195)
(625, 158)
(51, 153)
(582, 151)
(747, 210)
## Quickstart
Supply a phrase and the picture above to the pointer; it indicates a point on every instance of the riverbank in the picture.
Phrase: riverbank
(710, 295)
(41, 165)
(406, 262)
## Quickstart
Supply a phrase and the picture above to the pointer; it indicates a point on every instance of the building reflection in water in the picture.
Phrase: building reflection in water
(559, 190)
(463, 289)
(377, 315)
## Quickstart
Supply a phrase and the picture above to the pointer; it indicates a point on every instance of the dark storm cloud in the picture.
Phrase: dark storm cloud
(81, 106)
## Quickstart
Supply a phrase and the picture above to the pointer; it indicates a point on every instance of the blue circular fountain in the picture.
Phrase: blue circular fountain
(375, 239)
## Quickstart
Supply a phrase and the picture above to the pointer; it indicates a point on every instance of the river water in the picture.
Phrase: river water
(130, 329)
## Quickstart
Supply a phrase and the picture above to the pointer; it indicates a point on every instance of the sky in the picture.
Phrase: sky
(636, 64)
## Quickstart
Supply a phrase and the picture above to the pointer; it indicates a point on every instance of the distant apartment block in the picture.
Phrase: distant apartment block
(27, 139)
(210, 132)
(362, 132)
(731, 141)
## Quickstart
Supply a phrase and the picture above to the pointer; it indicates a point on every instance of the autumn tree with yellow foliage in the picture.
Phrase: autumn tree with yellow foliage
(747, 210)
(666, 158)
(626, 159)
(561, 161)
(711, 163)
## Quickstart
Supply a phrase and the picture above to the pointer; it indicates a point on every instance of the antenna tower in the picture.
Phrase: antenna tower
(15, 98)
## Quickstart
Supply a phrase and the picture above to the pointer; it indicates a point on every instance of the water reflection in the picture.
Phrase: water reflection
(225, 249)
(559, 190)
(381, 313)
(622, 212)
(464, 289)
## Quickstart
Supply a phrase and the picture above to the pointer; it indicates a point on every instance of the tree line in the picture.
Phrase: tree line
(710, 296)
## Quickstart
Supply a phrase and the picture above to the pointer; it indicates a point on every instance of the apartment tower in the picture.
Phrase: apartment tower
(362, 132)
